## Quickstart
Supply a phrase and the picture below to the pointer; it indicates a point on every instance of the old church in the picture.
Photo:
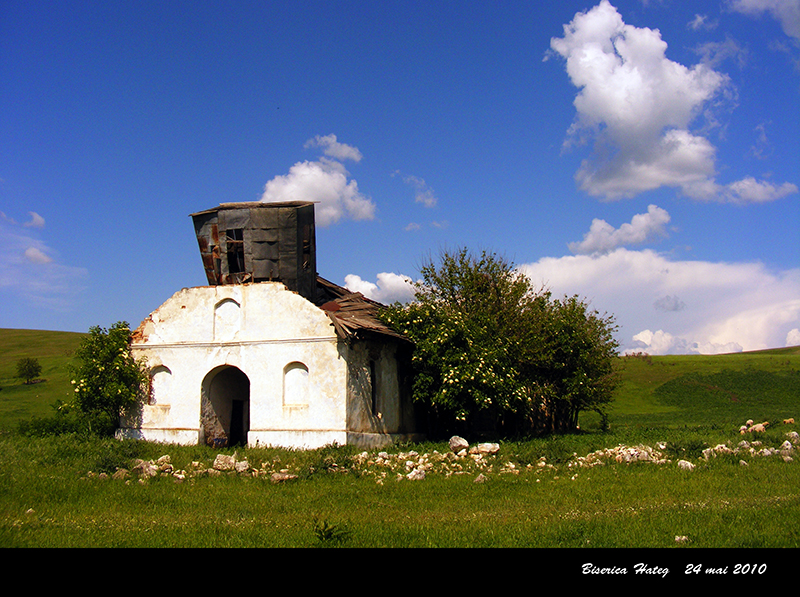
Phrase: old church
(270, 353)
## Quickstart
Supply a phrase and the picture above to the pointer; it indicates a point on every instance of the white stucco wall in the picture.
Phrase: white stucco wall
(260, 329)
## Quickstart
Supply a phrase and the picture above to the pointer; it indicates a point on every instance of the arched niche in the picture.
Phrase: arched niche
(227, 319)
(295, 384)
(160, 384)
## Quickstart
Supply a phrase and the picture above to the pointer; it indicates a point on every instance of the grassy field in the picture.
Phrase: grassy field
(19, 402)
(577, 491)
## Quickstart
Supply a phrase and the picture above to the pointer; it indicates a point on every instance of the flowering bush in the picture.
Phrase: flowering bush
(494, 356)
(108, 382)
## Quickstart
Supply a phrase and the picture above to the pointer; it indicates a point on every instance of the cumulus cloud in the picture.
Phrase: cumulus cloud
(637, 105)
(793, 337)
(661, 342)
(324, 182)
(721, 305)
(602, 237)
(786, 12)
(332, 148)
(390, 287)
(750, 190)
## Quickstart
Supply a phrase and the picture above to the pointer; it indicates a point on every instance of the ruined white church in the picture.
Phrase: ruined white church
(269, 353)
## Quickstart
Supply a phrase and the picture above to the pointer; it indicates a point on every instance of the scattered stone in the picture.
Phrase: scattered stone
(480, 478)
(144, 469)
(416, 475)
(685, 465)
(718, 449)
(223, 462)
(458, 443)
(488, 448)
(282, 477)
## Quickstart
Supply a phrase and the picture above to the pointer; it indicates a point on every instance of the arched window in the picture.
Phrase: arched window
(160, 381)
(295, 384)
(227, 319)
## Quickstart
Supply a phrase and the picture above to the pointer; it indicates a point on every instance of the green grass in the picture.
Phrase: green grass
(51, 494)
(54, 350)
(48, 499)
(698, 390)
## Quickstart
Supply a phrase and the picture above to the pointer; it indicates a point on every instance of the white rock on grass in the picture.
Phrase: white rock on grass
(458, 443)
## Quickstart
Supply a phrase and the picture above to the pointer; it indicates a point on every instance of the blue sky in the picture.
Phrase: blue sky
(641, 154)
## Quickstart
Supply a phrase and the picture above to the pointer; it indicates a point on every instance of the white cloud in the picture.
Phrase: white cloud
(602, 237)
(787, 12)
(793, 337)
(749, 190)
(661, 342)
(36, 255)
(36, 220)
(701, 22)
(722, 305)
(326, 183)
(422, 192)
(637, 107)
(761, 149)
(390, 287)
(334, 149)
(29, 272)
(713, 53)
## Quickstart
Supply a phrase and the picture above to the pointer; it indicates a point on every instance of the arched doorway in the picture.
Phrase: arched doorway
(225, 407)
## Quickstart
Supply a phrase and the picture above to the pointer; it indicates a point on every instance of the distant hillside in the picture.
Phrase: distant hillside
(717, 389)
(54, 352)
(657, 391)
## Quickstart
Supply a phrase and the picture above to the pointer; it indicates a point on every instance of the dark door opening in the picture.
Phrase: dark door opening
(238, 434)
(225, 408)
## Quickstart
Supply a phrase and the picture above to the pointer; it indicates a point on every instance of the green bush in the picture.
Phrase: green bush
(495, 357)
(109, 382)
(68, 420)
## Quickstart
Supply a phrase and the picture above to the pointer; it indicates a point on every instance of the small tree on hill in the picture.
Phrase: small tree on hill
(108, 381)
(495, 356)
(28, 369)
